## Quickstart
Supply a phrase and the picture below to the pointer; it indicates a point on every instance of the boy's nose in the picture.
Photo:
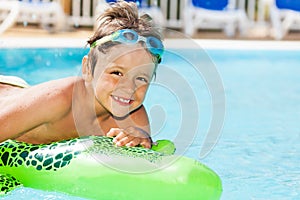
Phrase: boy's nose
(127, 84)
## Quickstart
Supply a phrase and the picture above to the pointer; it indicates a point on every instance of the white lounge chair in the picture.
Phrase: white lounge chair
(214, 14)
(49, 14)
(143, 7)
(284, 15)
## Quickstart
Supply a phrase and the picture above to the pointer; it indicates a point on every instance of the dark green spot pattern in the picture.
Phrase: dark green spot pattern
(60, 154)
(8, 183)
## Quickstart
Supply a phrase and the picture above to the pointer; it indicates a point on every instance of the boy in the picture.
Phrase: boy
(106, 100)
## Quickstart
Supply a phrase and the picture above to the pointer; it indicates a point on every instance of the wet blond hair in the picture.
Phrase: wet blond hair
(121, 15)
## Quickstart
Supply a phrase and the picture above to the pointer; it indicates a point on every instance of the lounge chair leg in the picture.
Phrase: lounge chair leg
(55, 12)
(276, 24)
(13, 10)
(230, 30)
(287, 22)
(189, 25)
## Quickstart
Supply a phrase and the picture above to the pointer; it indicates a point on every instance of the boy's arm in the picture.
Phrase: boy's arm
(136, 131)
(31, 107)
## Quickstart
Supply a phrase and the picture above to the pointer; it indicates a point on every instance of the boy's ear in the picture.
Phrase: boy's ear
(86, 69)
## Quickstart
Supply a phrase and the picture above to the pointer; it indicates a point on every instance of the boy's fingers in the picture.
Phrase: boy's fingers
(120, 136)
(124, 141)
(146, 144)
(130, 137)
(113, 132)
(134, 142)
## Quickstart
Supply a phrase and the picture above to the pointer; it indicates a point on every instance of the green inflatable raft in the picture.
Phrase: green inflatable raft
(93, 167)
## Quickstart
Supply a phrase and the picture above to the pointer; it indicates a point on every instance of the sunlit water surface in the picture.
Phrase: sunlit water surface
(258, 152)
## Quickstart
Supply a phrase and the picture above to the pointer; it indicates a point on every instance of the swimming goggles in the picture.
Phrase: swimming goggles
(128, 36)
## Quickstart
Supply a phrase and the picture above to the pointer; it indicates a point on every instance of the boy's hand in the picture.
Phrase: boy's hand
(130, 137)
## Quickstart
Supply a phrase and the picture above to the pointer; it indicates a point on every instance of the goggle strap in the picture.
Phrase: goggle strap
(105, 39)
(101, 41)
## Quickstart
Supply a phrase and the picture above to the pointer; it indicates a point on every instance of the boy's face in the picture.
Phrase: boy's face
(121, 78)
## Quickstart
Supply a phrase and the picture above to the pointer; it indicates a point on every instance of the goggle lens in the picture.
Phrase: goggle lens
(155, 46)
(129, 36)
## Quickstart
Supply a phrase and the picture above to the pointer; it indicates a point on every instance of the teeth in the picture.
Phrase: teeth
(121, 99)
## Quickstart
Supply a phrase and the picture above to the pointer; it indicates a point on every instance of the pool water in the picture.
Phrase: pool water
(258, 152)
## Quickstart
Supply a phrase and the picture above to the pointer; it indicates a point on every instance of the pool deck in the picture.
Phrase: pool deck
(32, 36)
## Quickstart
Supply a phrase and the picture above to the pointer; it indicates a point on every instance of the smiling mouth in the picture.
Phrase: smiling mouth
(121, 100)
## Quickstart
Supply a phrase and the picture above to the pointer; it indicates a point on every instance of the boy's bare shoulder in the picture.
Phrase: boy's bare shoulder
(57, 90)
(64, 86)
(56, 94)
(63, 83)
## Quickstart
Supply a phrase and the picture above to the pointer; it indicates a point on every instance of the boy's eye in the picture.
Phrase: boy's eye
(145, 80)
(117, 73)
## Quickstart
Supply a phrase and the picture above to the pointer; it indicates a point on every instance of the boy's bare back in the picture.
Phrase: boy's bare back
(38, 114)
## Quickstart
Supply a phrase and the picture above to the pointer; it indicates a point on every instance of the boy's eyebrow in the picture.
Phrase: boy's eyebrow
(145, 74)
(114, 65)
